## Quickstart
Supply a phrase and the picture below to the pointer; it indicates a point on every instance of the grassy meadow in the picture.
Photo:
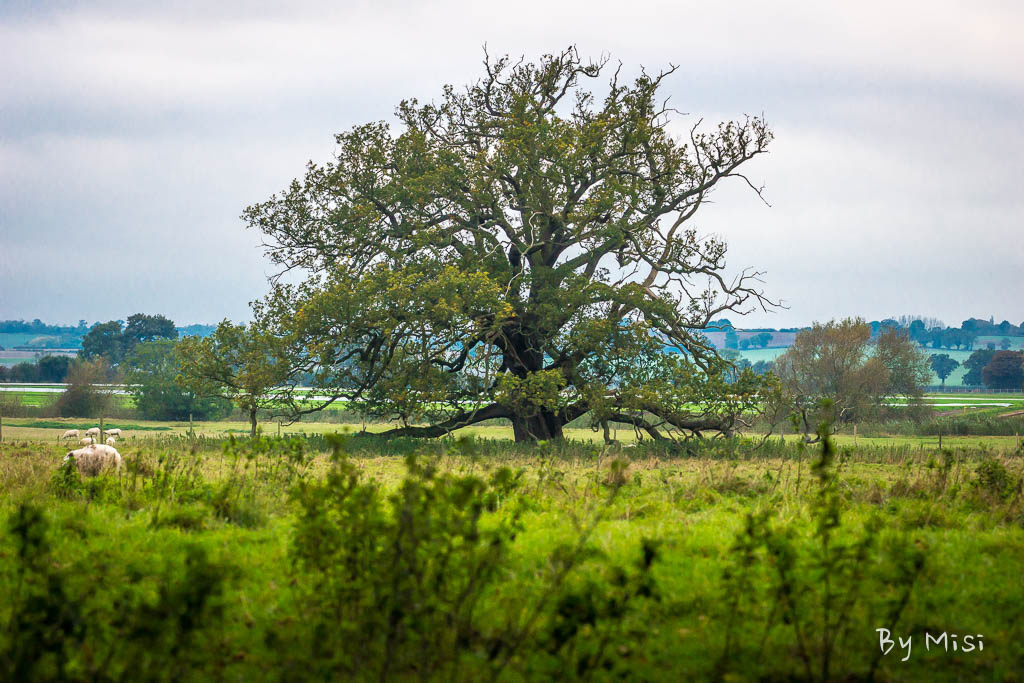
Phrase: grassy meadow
(313, 556)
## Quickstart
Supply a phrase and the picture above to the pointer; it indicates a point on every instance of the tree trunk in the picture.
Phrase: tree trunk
(541, 426)
(252, 423)
(523, 356)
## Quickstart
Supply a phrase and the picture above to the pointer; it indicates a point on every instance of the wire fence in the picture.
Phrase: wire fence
(939, 389)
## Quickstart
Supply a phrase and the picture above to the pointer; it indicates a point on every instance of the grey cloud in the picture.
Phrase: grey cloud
(150, 127)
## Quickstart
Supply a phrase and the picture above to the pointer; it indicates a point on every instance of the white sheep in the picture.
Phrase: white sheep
(91, 460)
(70, 434)
(111, 441)
(114, 432)
(88, 441)
(93, 431)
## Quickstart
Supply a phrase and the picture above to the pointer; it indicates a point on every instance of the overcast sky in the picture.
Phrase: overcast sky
(132, 138)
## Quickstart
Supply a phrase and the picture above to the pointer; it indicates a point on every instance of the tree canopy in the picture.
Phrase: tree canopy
(110, 341)
(762, 339)
(88, 393)
(46, 369)
(236, 362)
(519, 249)
(146, 328)
(975, 363)
(833, 373)
(104, 340)
(1004, 371)
(942, 365)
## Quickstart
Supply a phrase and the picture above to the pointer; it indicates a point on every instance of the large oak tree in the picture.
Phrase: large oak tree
(520, 249)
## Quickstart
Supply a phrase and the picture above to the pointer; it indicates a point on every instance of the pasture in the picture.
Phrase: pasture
(609, 562)
(143, 433)
(318, 552)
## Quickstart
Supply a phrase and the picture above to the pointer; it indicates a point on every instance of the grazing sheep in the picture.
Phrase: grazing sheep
(94, 431)
(70, 434)
(91, 460)
(111, 441)
(114, 432)
(88, 441)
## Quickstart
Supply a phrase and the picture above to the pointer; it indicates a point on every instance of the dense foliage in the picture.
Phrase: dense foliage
(46, 369)
(39, 327)
(975, 364)
(516, 250)
(1004, 371)
(108, 340)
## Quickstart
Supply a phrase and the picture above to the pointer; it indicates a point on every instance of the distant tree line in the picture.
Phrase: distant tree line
(142, 353)
(68, 336)
(761, 339)
(49, 369)
(196, 330)
(924, 330)
(992, 369)
(198, 376)
(985, 367)
(963, 337)
(39, 327)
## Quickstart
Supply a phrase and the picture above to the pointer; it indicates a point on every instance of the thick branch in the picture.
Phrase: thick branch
(462, 419)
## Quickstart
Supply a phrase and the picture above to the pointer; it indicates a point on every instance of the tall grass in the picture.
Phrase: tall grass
(350, 557)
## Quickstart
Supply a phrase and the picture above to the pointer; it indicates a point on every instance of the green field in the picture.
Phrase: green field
(37, 399)
(956, 378)
(213, 541)
(143, 434)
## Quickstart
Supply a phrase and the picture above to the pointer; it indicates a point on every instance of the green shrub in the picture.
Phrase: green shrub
(409, 585)
(66, 482)
(70, 621)
(992, 478)
(392, 583)
(812, 595)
